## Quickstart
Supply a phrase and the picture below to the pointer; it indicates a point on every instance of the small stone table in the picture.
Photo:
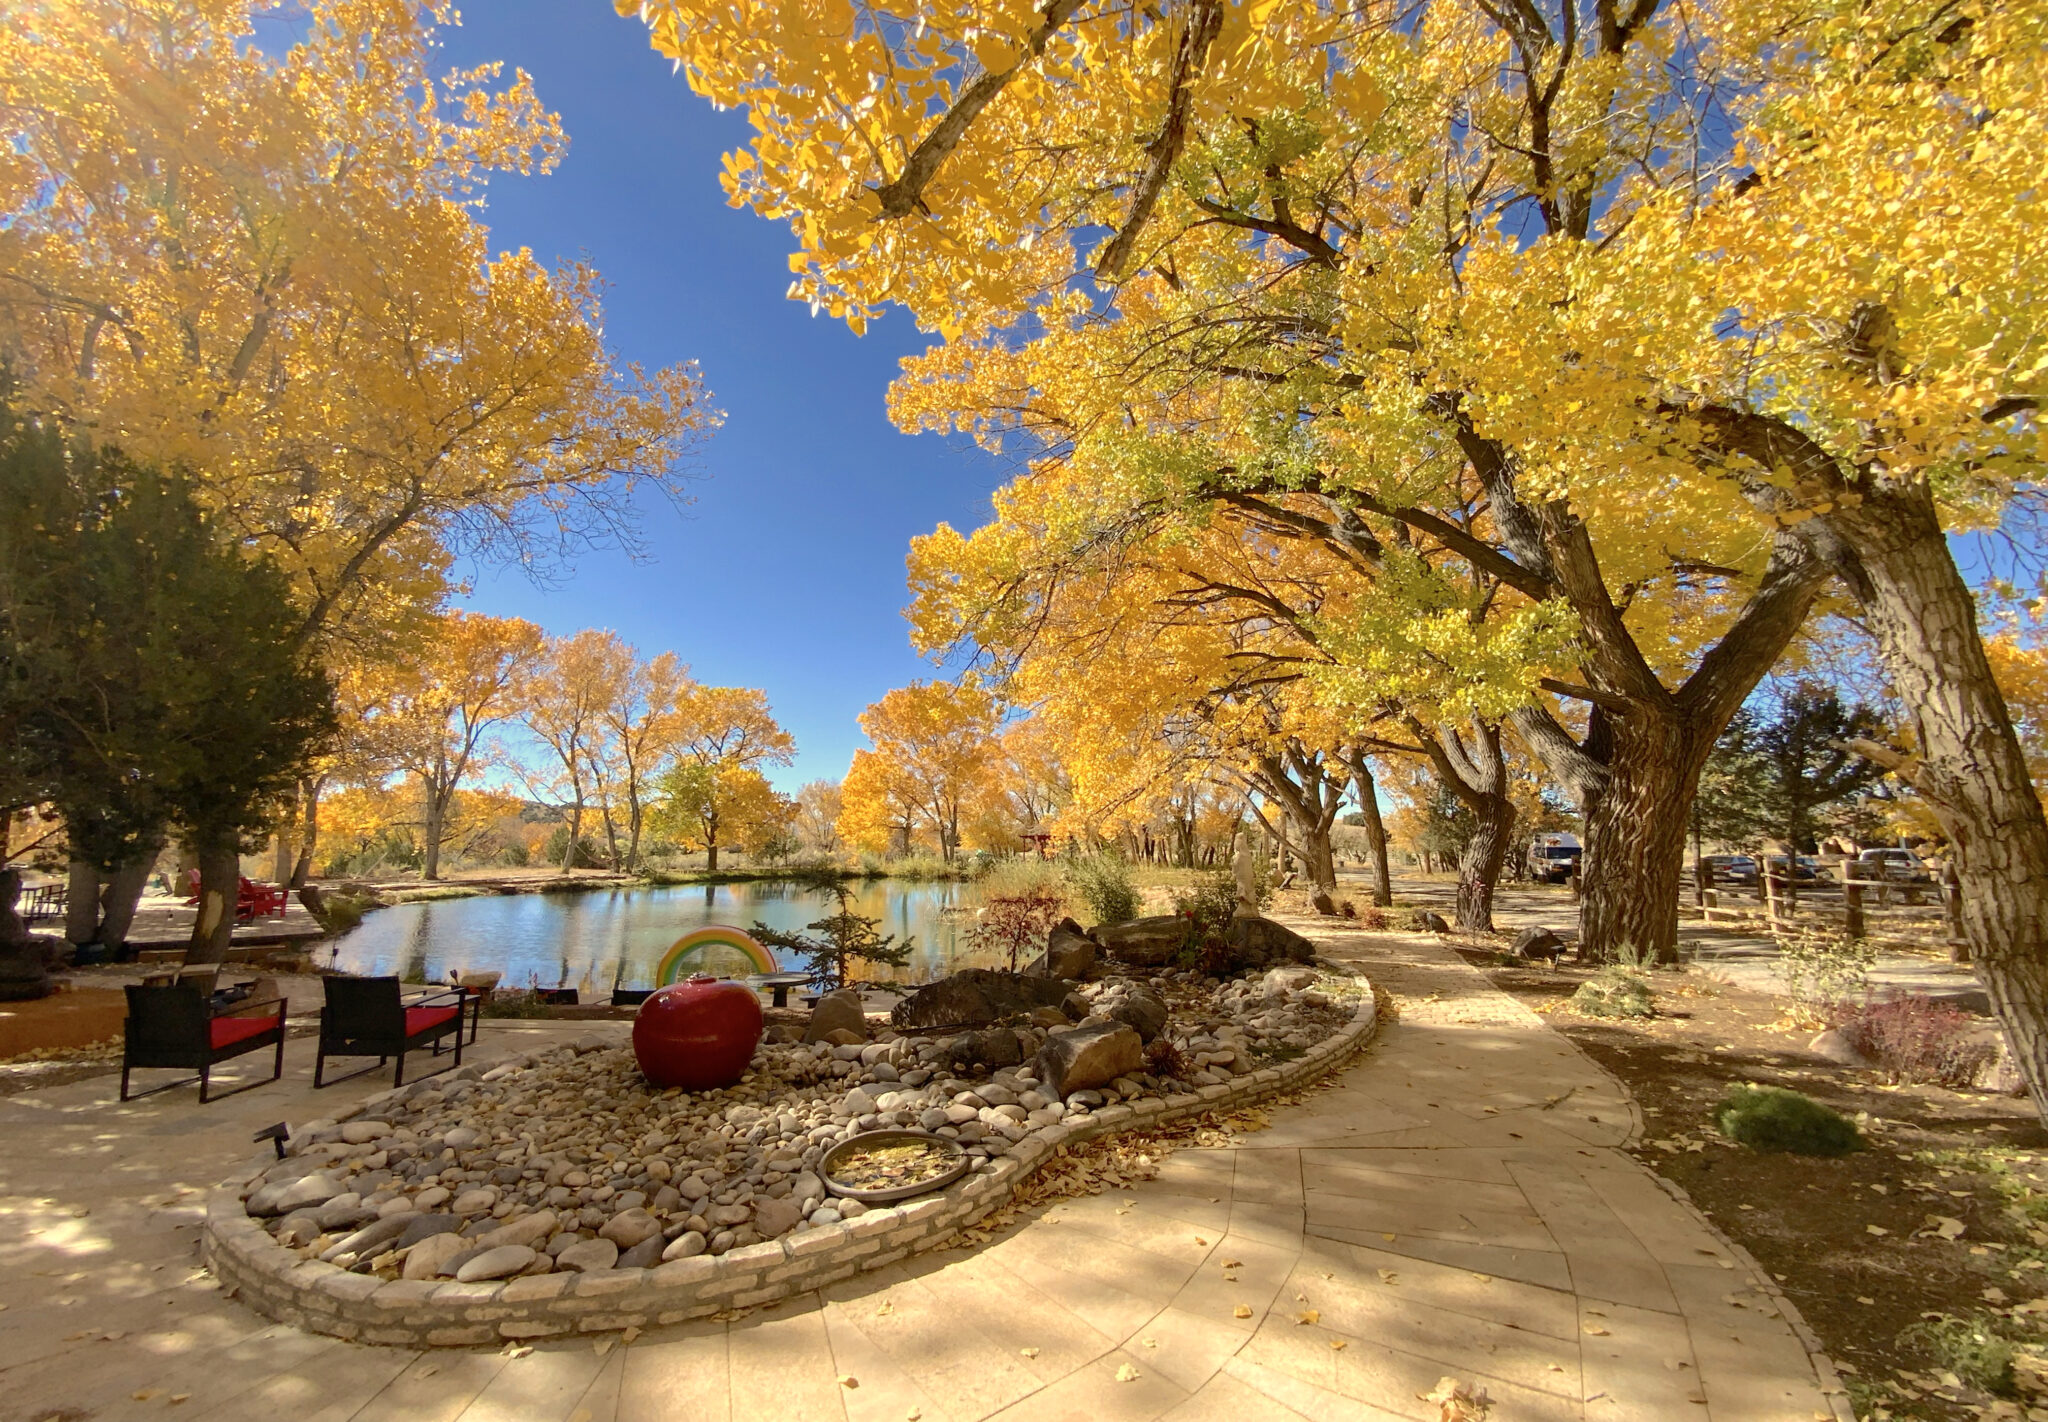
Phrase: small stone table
(779, 985)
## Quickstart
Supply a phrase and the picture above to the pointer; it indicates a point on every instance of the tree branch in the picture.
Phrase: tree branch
(1205, 19)
(904, 194)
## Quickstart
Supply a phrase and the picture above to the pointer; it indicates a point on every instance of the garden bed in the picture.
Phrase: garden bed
(566, 1195)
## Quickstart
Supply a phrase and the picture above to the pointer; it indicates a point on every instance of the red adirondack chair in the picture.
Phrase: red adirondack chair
(252, 900)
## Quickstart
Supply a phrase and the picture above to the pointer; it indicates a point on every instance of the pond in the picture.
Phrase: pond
(592, 940)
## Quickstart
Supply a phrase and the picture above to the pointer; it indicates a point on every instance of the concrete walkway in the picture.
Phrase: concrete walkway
(1453, 1207)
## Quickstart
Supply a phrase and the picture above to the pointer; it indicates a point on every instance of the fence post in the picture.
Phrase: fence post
(1774, 893)
(1852, 907)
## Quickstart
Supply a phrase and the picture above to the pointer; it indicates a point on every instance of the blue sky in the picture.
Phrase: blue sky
(787, 571)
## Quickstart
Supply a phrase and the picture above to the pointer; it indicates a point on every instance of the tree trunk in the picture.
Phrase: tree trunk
(711, 853)
(82, 904)
(635, 818)
(1635, 837)
(1318, 858)
(575, 833)
(1475, 770)
(309, 835)
(1375, 834)
(122, 894)
(435, 828)
(1969, 766)
(1480, 861)
(220, 883)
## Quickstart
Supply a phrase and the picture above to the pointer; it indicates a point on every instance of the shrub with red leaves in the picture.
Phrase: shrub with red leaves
(1916, 1039)
(1016, 925)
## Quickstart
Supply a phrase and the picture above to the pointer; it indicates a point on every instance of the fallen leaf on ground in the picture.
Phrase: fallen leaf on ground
(1336, 1343)
(849, 1380)
(630, 1334)
(1389, 1276)
(1595, 1330)
(1126, 1373)
(1242, 1311)
(602, 1346)
(1028, 1352)
(885, 1310)
(1310, 1315)
(1871, 1229)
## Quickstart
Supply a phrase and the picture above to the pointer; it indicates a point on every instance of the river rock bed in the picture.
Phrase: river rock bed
(568, 1159)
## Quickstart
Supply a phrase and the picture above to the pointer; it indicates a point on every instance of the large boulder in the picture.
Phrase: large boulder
(839, 1011)
(1148, 942)
(1137, 1007)
(976, 997)
(1257, 942)
(1089, 1057)
(992, 1047)
(23, 973)
(1069, 953)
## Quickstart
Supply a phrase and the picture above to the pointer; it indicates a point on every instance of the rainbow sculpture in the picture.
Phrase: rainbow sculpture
(687, 954)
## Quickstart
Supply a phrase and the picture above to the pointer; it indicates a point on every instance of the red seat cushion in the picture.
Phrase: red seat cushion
(226, 1031)
(419, 1019)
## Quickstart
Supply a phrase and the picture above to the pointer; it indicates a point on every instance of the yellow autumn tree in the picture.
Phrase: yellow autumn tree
(878, 810)
(466, 676)
(565, 697)
(265, 264)
(934, 748)
(722, 737)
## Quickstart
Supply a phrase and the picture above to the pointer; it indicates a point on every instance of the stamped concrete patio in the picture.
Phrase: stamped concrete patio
(1454, 1206)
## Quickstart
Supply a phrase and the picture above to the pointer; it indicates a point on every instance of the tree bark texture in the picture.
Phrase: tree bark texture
(1969, 765)
(1636, 828)
(220, 884)
(309, 831)
(435, 828)
(118, 901)
(1299, 782)
(1473, 767)
(82, 903)
(1375, 832)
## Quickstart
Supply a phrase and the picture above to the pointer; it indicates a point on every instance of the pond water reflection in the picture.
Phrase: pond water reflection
(594, 939)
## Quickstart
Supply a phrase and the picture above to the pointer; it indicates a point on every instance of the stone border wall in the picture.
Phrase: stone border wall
(443, 1313)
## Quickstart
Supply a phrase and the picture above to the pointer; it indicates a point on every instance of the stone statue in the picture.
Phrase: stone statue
(22, 974)
(1245, 873)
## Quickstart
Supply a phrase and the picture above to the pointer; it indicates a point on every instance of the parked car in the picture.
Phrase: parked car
(1554, 858)
(1732, 868)
(1804, 868)
(1893, 866)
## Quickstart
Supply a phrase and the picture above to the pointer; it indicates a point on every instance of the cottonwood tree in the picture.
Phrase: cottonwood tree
(935, 743)
(572, 683)
(646, 726)
(468, 675)
(723, 736)
(266, 264)
(1318, 252)
(818, 804)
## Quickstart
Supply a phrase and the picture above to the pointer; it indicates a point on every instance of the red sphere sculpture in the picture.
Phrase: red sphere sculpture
(699, 1034)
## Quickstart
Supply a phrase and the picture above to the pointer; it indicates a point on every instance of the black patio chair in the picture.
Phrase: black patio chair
(367, 1017)
(179, 1027)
